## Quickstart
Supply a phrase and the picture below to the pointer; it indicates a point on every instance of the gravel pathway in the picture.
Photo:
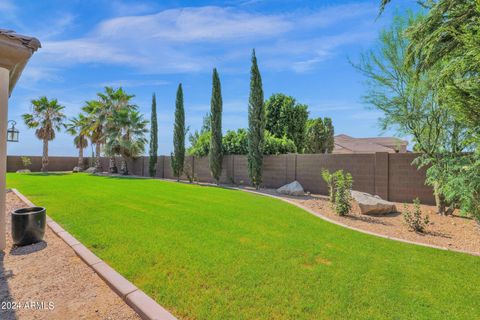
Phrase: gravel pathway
(48, 281)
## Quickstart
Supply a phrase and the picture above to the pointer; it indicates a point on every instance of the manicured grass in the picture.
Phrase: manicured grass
(212, 253)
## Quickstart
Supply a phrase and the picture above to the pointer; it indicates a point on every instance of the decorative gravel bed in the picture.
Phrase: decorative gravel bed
(454, 232)
(48, 281)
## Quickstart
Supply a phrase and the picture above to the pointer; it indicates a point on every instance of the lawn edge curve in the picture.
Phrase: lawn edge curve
(319, 215)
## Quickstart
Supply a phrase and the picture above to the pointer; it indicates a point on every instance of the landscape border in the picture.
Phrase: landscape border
(139, 301)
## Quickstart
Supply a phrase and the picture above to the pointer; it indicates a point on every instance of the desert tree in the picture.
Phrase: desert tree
(412, 105)
(46, 117)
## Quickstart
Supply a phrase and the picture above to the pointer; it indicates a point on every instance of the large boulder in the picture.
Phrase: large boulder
(293, 189)
(77, 169)
(91, 170)
(24, 171)
(369, 204)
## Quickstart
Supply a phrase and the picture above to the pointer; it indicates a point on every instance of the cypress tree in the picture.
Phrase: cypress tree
(153, 154)
(215, 156)
(256, 125)
(178, 155)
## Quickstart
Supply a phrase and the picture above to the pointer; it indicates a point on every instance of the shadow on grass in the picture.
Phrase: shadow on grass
(47, 174)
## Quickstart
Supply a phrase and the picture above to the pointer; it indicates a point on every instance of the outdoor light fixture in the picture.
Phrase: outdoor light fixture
(12, 132)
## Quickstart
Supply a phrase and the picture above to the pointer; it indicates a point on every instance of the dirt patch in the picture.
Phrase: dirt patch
(453, 232)
(48, 281)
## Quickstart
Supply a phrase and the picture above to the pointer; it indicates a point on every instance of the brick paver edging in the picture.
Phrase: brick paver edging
(146, 307)
(354, 228)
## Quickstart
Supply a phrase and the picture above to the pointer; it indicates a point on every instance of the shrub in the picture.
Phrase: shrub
(187, 170)
(415, 220)
(27, 162)
(235, 142)
(275, 146)
(340, 187)
(201, 146)
(328, 178)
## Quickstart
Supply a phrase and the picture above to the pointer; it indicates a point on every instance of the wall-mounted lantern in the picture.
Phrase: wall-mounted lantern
(12, 132)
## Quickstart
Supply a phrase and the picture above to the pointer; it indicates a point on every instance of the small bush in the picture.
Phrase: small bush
(340, 187)
(187, 170)
(328, 178)
(414, 220)
(27, 162)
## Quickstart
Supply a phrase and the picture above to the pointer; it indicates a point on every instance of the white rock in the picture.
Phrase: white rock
(24, 171)
(91, 170)
(77, 169)
(372, 204)
(294, 189)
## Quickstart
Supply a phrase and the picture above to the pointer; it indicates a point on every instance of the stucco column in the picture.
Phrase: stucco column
(4, 83)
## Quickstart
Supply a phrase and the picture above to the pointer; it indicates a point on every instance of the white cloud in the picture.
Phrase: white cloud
(122, 8)
(132, 83)
(194, 25)
(195, 39)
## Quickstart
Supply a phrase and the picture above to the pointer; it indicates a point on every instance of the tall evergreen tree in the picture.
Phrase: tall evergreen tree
(315, 136)
(329, 135)
(215, 155)
(178, 155)
(256, 124)
(153, 139)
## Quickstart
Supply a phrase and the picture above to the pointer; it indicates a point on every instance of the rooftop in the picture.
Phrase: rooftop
(348, 144)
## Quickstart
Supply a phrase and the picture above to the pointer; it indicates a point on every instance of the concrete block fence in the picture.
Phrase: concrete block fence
(389, 175)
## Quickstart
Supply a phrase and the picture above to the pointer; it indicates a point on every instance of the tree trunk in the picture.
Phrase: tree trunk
(439, 200)
(124, 168)
(45, 156)
(97, 157)
(112, 165)
(80, 159)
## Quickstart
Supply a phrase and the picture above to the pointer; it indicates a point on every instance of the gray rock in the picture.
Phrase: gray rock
(24, 171)
(91, 170)
(77, 169)
(293, 189)
(372, 204)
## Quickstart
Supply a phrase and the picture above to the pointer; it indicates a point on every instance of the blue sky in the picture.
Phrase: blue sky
(302, 47)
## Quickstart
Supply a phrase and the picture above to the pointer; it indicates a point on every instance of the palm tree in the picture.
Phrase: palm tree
(126, 135)
(80, 129)
(96, 127)
(113, 101)
(46, 117)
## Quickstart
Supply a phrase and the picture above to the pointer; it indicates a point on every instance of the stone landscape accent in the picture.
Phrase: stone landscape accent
(369, 204)
(146, 307)
(452, 233)
(294, 189)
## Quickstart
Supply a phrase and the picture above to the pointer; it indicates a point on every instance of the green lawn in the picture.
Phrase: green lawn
(212, 253)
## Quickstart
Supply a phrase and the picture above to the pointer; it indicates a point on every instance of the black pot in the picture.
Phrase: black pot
(28, 225)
